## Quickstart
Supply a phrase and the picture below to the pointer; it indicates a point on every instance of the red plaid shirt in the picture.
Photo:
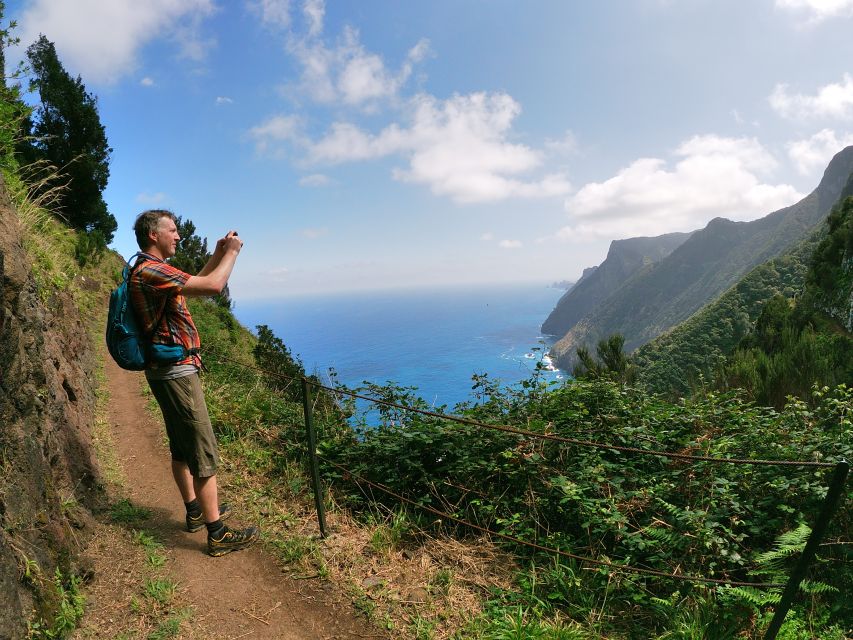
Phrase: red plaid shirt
(155, 292)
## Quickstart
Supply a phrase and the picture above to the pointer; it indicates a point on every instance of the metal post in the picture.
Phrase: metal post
(312, 455)
(830, 504)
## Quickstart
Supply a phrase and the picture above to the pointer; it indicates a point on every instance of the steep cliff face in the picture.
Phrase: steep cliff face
(701, 269)
(49, 483)
(625, 259)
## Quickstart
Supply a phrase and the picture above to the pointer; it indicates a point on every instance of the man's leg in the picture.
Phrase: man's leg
(184, 480)
(206, 491)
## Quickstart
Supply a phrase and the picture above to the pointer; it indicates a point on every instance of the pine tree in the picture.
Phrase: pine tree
(68, 134)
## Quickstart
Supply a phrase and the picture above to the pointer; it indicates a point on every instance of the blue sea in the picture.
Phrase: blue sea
(432, 339)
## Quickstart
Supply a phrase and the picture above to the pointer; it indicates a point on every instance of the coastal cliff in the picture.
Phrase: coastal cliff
(701, 269)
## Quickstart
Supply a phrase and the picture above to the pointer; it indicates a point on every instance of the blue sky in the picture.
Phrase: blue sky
(375, 144)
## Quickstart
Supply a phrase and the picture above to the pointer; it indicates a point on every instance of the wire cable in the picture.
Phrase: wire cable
(674, 576)
(543, 436)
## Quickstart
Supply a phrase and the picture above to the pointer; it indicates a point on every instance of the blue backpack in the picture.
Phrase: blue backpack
(127, 344)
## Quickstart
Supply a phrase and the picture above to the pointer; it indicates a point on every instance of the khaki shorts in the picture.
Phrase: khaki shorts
(191, 438)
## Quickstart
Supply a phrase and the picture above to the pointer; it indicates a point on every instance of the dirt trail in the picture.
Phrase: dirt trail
(244, 594)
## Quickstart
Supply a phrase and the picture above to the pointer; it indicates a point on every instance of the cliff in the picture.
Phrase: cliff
(49, 484)
(701, 269)
(625, 258)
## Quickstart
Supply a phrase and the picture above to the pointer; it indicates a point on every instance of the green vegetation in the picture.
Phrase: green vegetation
(700, 519)
(779, 332)
(67, 134)
(69, 609)
(691, 354)
(658, 297)
(737, 522)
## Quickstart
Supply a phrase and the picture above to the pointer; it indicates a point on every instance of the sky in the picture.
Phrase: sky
(378, 145)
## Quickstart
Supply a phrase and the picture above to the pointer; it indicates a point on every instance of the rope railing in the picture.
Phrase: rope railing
(828, 508)
(603, 563)
(542, 436)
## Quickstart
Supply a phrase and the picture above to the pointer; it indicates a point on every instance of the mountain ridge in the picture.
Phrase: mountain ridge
(709, 262)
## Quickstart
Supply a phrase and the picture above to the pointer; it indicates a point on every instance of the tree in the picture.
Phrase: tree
(67, 133)
(612, 361)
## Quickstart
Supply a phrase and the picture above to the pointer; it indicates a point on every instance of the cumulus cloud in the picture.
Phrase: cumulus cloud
(274, 13)
(458, 147)
(712, 176)
(834, 100)
(565, 146)
(101, 40)
(343, 72)
(818, 10)
(220, 100)
(461, 147)
(813, 154)
(147, 82)
(275, 130)
(315, 180)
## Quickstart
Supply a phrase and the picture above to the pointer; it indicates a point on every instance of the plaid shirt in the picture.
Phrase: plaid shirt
(155, 292)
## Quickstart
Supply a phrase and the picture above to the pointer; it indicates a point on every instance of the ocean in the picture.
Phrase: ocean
(431, 339)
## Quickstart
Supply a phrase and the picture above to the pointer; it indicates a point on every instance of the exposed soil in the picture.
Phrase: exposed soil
(245, 594)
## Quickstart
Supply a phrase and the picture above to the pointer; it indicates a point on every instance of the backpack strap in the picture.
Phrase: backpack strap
(128, 271)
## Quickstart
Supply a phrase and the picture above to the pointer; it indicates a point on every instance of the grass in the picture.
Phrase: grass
(125, 512)
(70, 603)
(160, 590)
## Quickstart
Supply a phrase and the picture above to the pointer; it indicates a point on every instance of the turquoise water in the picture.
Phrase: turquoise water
(432, 339)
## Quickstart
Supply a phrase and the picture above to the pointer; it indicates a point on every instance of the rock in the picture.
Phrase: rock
(373, 581)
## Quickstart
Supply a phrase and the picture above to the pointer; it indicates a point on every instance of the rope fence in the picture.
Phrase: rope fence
(622, 567)
(830, 504)
(540, 436)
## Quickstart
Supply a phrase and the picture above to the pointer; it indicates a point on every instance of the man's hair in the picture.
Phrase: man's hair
(147, 222)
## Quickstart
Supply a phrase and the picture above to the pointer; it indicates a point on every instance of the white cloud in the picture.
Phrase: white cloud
(712, 176)
(510, 244)
(315, 180)
(313, 234)
(346, 72)
(458, 147)
(819, 9)
(834, 100)
(275, 130)
(224, 100)
(565, 146)
(147, 81)
(315, 12)
(814, 153)
(275, 13)
(100, 40)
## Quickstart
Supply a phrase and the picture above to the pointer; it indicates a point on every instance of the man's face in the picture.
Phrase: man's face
(166, 237)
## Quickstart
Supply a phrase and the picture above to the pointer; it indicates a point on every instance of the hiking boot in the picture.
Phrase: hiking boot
(196, 523)
(232, 540)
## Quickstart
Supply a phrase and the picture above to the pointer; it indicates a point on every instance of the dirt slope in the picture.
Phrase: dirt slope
(241, 595)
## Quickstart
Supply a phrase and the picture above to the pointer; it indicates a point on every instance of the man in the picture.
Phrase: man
(158, 294)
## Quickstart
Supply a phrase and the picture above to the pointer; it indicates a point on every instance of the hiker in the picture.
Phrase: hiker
(158, 295)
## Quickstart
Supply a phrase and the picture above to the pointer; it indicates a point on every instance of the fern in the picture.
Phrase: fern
(772, 563)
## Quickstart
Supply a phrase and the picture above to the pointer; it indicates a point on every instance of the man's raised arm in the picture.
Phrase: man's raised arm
(211, 280)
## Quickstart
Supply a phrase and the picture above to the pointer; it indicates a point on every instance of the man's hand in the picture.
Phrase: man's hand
(230, 242)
